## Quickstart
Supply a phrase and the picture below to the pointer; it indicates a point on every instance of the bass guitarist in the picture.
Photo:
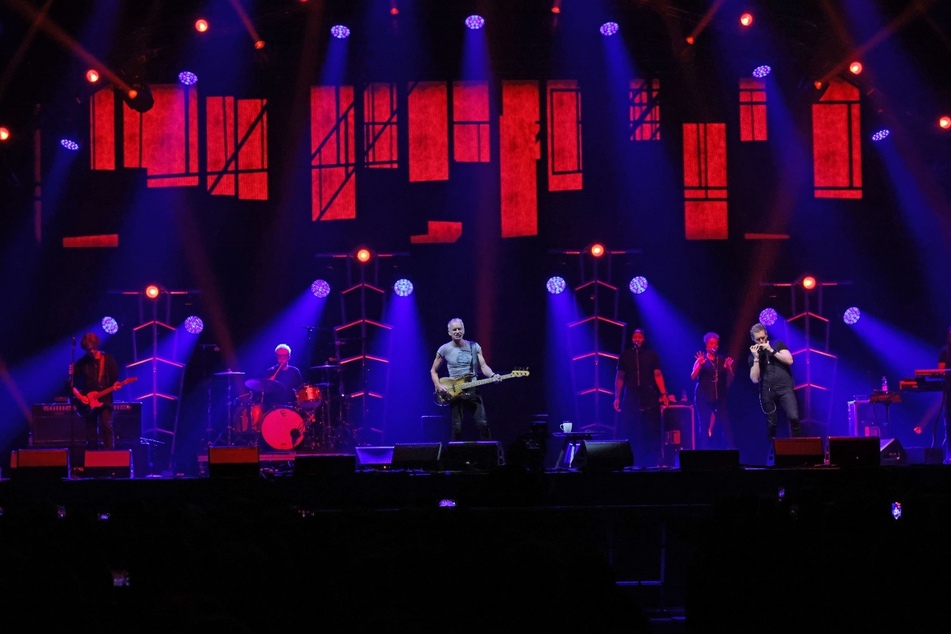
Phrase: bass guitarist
(463, 358)
(94, 372)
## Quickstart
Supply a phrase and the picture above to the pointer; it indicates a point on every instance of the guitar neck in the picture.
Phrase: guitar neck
(479, 382)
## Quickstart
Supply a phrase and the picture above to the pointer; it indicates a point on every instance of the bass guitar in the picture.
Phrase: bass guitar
(456, 387)
(94, 403)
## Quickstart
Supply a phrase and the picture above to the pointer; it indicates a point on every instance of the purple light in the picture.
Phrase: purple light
(340, 32)
(110, 325)
(69, 144)
(194, 325)
(475, 22)
(403, 288)
(761, 71)
(851, 315)
(320, 288)
(188, 78)
(881, 134)
(609, 28)
(768, 317)
(556, 285)
(638, 284)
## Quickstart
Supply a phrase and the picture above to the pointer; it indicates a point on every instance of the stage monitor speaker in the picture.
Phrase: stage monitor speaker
(709, 459)
(324, 465)
(481, 455)
(603, 456)
(892, 453)
(804, 451)
(374, 457)
(108, 464)
(925, 455)
(40, 464)
(417, 455)
(233, 462)
(854, 451)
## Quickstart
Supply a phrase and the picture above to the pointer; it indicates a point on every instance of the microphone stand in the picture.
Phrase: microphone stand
(72, 397)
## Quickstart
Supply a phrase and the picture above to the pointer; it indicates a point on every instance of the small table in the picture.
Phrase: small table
(573, 441)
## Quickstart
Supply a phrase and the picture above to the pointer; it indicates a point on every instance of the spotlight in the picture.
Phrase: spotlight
(808, 282)
(259, 44)
(855, 68)
(152, 291)
(762, 71)
(880, 135)
(320, 288)
(638, 284)
(851, 315)
(139, 98)
(768, 317)
(340, 32)
(363, 255)
(746, 19)
(597, 249)
(403, 288)
(194, 325)
(610, 28)
(4, 133)
(187, 78)
(896, 510)
(69, 144)
(475, 22)
(944, 122)
(92, 75)
(556, 285)
(109, 325)
(201, 25)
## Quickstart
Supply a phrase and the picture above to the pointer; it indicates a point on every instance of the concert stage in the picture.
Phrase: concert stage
(338, 549)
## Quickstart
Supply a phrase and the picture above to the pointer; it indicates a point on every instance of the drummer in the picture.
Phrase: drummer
(286, 375)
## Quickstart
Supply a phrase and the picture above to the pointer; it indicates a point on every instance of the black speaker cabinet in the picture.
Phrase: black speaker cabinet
(420, 455)
(374, 457)
(58, 424)
(891, 452)
(324, 465)
(805, 451)
(603, 456)
(709, 459)
(108, 464)
(39, 464)
(233, 462)
(854, 451)
(482, 455)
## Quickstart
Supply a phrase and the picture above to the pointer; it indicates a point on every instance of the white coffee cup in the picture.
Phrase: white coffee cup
(565, 427)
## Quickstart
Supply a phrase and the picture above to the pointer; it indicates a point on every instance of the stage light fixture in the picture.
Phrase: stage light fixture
(851, 315)
(638, 284)
(139, 98)
(201, 25)
(475, 22)
(187, 78)
(881, 135)
(896, 510)
(92, 75)
(109, 325)
(746, 19)
(768, 316)
(4, 133)
(259, 44)
(340, 32)
(855, 68)
(610, 28)
(762, 71)
(194, 325)
(363, 255)
(403, 288)
(320, 288)
(808, 282)
(152, 291)
(944, 122)
(70, 144)
(556, 285)
(597, 249)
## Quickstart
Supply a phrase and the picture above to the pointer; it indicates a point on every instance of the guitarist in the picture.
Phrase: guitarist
(463, 358)
(95, 371)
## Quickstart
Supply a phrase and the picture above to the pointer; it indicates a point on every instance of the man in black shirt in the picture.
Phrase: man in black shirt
(770, 365)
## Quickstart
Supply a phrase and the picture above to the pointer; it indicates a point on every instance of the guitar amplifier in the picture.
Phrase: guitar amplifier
(58, 424)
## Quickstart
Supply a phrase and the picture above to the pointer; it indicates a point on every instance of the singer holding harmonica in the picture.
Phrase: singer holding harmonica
(771, 368)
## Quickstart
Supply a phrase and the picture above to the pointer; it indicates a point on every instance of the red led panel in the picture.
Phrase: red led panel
(438, 231)
(564, 136)
(470, 122)
(836, 142)
(379, 126)
(705, 181)
(164, 140)
(236, 142)
(752, 110)
(102, 130)
(428, 115)
(518, 153)
(333, 190)
(644, 111)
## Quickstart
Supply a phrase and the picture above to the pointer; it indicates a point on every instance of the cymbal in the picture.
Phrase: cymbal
(325, 367)
(228, 373)
(264, 385)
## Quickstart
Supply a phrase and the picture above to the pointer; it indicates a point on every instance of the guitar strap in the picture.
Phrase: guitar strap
(102, 368)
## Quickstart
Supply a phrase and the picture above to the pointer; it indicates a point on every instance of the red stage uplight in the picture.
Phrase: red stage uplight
(944, 122)
(152, 291)
(690, 40)
(746, 19)
(201, 25)
(855, 68)
(808, 282)
(259, 44)
(363, 255)
(4, 134)
(92, 75)
(597, 250)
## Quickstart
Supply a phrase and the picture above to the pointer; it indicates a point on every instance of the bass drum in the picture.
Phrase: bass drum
(283, 428)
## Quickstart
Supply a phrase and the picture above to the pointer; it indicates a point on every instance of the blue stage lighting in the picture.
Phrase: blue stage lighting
(556, 285)
(638, 284)
(110, 325)
(403, 288)
(320, 288)
(851, 315)
(194, 325)
(768, 317)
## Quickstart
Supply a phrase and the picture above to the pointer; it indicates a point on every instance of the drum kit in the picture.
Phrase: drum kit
(312, 417)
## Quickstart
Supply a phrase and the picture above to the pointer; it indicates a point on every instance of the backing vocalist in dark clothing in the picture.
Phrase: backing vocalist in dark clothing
(770, 365)
(638, 391)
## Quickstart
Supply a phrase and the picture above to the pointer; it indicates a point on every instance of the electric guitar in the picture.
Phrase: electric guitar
(457, 386)
(93, 396)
